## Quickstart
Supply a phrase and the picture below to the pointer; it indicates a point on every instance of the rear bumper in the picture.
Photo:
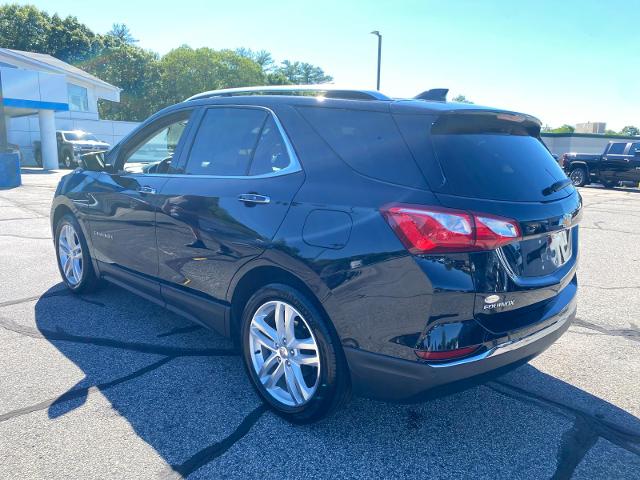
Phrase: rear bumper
(393, 379)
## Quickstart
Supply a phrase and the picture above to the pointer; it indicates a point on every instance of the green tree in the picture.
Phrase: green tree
(563, 129)
(137, 72)
(24, 28)
(122, 32)
(461, 99)
(630, 131)
(302, 73)
(187, 71)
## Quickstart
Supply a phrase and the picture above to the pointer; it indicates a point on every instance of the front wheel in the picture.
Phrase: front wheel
(578, 177)
(74, 260)
(67, 160)
(293, 359)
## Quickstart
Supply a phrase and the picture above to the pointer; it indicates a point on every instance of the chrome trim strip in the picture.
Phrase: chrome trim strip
(511, 345)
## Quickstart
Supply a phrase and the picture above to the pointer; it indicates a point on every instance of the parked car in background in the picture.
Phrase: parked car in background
(620, 162)
(399, 248)
(72, 144)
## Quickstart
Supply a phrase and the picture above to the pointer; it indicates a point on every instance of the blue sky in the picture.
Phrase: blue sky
(563, 61)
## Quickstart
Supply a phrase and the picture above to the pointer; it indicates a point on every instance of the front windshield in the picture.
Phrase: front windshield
(79, 136)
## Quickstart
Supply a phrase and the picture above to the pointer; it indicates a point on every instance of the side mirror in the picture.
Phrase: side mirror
(94, 162)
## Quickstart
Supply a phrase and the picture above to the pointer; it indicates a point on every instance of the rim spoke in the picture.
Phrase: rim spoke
(267, 365)
(305, 344)
(265, 328)
(289, 326)
(279, 313)
(275, 376)
(310, 360)
(262, 339)
(77, 270)
(296, 384)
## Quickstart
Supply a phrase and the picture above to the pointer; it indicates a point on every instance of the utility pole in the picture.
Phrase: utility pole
(377, 34)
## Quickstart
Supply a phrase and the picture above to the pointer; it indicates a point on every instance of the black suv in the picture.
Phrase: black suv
(347, 241)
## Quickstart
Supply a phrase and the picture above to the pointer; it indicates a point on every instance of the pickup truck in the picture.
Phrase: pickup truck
(72, 144)
(620, 162)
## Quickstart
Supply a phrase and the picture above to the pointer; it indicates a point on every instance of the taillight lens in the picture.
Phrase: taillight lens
(424, 229)
(444, 355)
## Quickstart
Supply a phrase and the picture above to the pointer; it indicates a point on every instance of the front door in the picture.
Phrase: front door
(239, 179)
(124, 213)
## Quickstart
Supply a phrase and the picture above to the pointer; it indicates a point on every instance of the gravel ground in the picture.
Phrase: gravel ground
(109, 385)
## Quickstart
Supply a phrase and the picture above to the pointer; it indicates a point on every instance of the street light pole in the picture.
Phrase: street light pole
(377, 34)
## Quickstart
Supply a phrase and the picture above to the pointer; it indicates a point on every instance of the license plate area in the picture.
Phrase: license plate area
(540, 256)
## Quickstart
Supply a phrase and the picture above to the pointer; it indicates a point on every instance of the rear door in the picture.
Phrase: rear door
(615, 162)
(237, 183)
(633, 155)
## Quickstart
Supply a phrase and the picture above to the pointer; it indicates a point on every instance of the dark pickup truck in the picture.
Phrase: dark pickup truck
(620, 162)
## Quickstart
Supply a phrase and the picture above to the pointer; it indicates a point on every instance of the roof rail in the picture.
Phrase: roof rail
(325, 90)
(435, 94)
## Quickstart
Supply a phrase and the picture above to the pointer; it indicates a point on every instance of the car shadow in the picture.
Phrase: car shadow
(184, 392)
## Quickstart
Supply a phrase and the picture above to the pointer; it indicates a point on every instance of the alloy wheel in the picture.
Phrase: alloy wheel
(70, 253)
(577, 177)
(284, 353)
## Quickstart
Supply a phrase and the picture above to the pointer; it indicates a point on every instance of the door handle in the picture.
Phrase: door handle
(147, 189)
(253, 198)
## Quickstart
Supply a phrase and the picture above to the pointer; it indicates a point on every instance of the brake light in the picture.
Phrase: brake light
(425, 229)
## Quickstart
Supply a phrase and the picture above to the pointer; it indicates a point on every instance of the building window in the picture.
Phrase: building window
(78, 100)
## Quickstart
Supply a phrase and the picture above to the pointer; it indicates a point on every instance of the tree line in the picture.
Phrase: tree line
(628, 131)
(149, 81)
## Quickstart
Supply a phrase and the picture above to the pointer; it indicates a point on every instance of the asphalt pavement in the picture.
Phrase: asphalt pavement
(108, 385)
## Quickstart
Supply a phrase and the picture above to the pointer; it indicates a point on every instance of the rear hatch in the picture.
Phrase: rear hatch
(495, 163)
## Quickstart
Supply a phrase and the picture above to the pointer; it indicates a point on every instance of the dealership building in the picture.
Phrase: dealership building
(41, 94)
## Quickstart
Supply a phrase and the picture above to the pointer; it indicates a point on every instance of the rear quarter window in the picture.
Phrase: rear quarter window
(369, 142)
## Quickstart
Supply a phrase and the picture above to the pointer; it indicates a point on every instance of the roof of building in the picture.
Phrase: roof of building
(47, 62)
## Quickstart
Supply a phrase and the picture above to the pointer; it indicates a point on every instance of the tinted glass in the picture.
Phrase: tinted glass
(496, 166)
(369, 142)
(271, 153)
(159, 146)
(225, 141)
(635, 149)
(617, 148)
(75, 136)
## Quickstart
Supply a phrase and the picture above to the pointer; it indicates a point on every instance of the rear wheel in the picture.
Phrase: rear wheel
(292, 357)
(578, 177)
(74, 260)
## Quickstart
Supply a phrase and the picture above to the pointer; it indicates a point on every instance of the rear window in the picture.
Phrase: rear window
(369, 142)
(486, 156)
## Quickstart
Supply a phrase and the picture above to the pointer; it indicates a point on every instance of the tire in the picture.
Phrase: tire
(66, 160)
(578, 176)
(80, 276)
(323, 388)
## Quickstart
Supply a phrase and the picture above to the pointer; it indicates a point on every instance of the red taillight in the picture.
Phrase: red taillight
(424, 229)
(443, 355)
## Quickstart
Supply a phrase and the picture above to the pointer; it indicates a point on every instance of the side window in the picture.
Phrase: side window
(155, 153)
(617, 148)
(635, 149)
(226, 141)
(271, 153)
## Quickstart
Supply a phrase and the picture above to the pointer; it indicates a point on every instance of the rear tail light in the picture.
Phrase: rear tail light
(446, 355)
(425, 229)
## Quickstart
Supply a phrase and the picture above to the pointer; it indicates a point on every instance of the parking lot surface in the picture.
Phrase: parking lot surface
(109, 385)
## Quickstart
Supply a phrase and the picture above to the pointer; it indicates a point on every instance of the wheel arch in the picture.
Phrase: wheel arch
(257, 277)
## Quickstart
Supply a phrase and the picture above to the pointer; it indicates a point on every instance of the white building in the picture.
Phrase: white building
(42, 94)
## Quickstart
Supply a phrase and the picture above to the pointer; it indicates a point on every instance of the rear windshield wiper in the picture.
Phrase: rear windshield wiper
(554, 187)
